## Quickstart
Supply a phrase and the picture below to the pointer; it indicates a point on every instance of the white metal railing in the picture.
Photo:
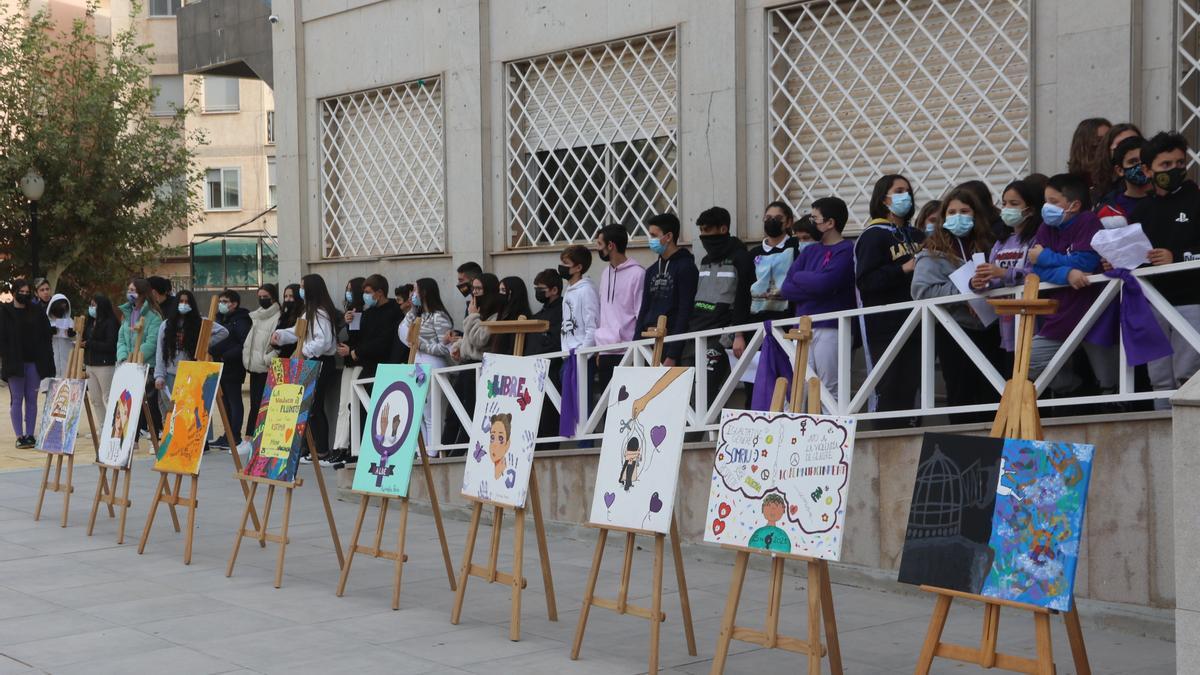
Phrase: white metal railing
(850, 398)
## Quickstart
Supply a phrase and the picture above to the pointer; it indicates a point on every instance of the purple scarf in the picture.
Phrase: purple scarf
(569, 410)
(1143, 338)
(773, 363)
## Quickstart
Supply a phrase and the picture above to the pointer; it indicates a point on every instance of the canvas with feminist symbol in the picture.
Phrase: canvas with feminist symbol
(780, 482)
(186, 429)
(508, 408)
(282, 419)
(389, 441)
(59, 423)
(119, 431)
(643, 442)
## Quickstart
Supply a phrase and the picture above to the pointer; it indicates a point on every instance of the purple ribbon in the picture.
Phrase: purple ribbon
(1143, 338)
(773, 363)
(569, 410)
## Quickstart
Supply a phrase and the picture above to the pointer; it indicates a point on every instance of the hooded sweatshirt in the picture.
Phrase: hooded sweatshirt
(822, 280)
(1066, 248)
(669, 289)
(581, 314)
(620, 298)
(880, 253)
(1173, 222)
(62, 341)
(723, 287)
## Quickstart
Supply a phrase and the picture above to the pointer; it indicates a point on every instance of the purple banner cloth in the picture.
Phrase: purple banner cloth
(773, 363)
(569, 413)
(1143, 338)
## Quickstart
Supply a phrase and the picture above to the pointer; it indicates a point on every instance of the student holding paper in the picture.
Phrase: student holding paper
(1008, 262)
(963, 233)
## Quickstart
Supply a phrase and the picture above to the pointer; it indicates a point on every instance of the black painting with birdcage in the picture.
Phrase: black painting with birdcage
(950, 520)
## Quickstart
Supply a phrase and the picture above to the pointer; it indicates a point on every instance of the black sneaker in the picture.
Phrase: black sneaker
(24, 442)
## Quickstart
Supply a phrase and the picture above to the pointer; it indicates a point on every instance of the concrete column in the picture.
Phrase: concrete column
(1186, 466)
(291, 155)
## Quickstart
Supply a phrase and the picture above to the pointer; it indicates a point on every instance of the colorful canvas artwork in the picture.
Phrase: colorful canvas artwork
(780, 482)
(282, 419)
(389, 441)
(118, 433)
(508, 408)
(185, 429)
(61, 411)
(643, 443)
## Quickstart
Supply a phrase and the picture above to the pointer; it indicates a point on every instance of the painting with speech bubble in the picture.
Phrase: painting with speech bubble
(780, 482)
(508, 409)
(389, 439)
(282, 419)
(643, 442)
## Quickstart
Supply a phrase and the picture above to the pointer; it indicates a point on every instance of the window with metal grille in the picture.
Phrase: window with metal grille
(592, 136)
(935, 89)
(221, 94)
(382, 166)
(1187, 74)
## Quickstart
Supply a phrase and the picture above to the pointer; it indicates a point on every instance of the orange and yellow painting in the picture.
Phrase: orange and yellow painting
(185, 430)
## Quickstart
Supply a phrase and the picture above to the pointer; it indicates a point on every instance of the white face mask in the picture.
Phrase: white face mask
(800, 246)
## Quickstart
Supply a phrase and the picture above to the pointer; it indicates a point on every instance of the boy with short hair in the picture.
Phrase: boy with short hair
(620, 298)
(722, 293)
(1133, 185)
(581, 301)
(669, 285)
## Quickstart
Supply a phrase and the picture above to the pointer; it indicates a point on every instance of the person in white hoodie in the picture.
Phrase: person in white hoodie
(257, 352)
(432, 347)
(62, 328)
(581, 300)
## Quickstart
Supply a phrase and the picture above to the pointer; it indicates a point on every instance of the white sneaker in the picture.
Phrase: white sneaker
(245, 449)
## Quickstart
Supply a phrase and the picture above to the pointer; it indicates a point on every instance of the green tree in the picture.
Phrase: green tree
(75, 105)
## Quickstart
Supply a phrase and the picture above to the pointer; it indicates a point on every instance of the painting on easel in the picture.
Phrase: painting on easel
(119, 431)
(780, 482)
(642, 446)
(185, 431)
(283, 419)
(389, 444)
(59, 423)
(508, 409)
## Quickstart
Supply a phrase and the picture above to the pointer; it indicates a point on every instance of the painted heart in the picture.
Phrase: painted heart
(658, 434)
(609, 498)
(753, 468)
(718, 526)
(479, 453)
(724, 510)
(794, 509)
(655, 503)
(622, 394)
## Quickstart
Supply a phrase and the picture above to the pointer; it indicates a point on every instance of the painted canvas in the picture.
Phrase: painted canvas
(950, 520)
(119, 431)
(780, 482)
(1038, 520)
(642, 446)
(389, 443)
(508, 408)
(61, 411)
(282, 419)
(185, 429)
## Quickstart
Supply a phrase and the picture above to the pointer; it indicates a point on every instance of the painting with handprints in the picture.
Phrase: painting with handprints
(186, 428)
(282, 419)
(118, 433)
(780, 482)
(1038, 520)
(508, 408)
(389, 439)
(59, 422)
(643, 441)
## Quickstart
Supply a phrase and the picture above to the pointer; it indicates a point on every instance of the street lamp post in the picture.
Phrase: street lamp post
(33, 186)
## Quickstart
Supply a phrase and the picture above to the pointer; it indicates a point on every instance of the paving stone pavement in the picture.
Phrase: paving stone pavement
(74, 604)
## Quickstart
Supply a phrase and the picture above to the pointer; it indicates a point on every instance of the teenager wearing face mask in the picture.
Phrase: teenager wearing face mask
(726, 273)
(467, 273)
(581, 300)
(965, 231)
(100, 351)
(291, 307)
(432, 348)
(883, 263)
(256, 352)
(620, 298)
(1171, 221)
(669, 284)
(547, 292)
(1133, 186)
(1008, 261)
(62, 328)
(320, 343)
(176, 340)
(25, 359)
(772, 259)
(141, 306)
(929, 217)
(236, 320)
(403, 299)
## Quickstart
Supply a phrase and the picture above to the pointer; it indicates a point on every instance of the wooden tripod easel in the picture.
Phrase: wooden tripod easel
(654, 613)
(399, 556)
(519, 328)
(820, 593)
(1016, 417)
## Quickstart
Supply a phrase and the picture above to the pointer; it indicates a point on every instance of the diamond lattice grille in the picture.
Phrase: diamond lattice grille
(591, 140)
(1187, 70)
(935, 89)
(382, 184)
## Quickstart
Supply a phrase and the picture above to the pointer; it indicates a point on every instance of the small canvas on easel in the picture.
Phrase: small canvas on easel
(643, 442)
(119, 431)
(186, 429)
(389, 442)
(508, 409)
(282, 419)
(780, 482)
(61, 411)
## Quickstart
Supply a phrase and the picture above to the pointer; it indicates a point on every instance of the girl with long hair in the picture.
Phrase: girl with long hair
(1008, 262)
(177, 337)
(432, 345)
(100, 351)
(320, 343)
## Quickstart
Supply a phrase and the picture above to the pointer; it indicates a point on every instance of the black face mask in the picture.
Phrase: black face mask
(713, 242)
(1171, 179)
(603, 253)
(464, 288)
(773, 227)
(265, 303)
(23, 298)
(288, 304)
(540, 296)
(564, 271)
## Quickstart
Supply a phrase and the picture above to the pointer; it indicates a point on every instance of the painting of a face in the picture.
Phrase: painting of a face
(498, 443)
(772, 510)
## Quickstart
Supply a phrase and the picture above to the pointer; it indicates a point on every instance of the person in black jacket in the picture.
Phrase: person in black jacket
(547, 290)
(670, 285)
(26, 358)
(235, 319)
(883, 268)
(291, 307)
(100, 351)
(725, 275)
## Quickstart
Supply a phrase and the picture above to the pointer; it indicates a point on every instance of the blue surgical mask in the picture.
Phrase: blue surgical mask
(301, 293)
(657, 246)
(415, 300)
(930, 226)
(958, 224)
(1052, 215)
(1011, 215)
(92, 311)
(902, 204)
(801, 245)
(132, 297)
(222, 307)
(184, 308)
(368, 300)
(349, 297)
(1135, 176)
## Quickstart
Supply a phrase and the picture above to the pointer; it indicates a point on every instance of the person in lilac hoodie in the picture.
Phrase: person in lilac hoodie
(1062, 254)
(822, 280)
(620, 298)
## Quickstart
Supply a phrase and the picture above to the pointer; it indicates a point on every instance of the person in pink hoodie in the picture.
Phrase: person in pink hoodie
(620, 298)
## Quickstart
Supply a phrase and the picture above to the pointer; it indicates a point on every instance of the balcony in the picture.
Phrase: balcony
(226, 37)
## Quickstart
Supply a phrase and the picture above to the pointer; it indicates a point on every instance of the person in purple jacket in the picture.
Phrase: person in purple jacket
(1009, 260)
(820, 280)
(1062, 254)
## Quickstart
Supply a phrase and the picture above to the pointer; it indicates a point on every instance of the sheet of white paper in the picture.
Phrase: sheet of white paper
(1123, 248)
(962, 281)
(356, 321)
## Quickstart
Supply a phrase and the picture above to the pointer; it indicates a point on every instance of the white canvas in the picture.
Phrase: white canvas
(119, 431)
(643, 442)
(508, 408)
(780, 482)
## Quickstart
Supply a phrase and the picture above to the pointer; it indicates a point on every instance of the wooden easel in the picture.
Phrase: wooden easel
(621, 605)
(1016, 417)
(519, 328)
(106, 489)
(399, 556)
(820, 593)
